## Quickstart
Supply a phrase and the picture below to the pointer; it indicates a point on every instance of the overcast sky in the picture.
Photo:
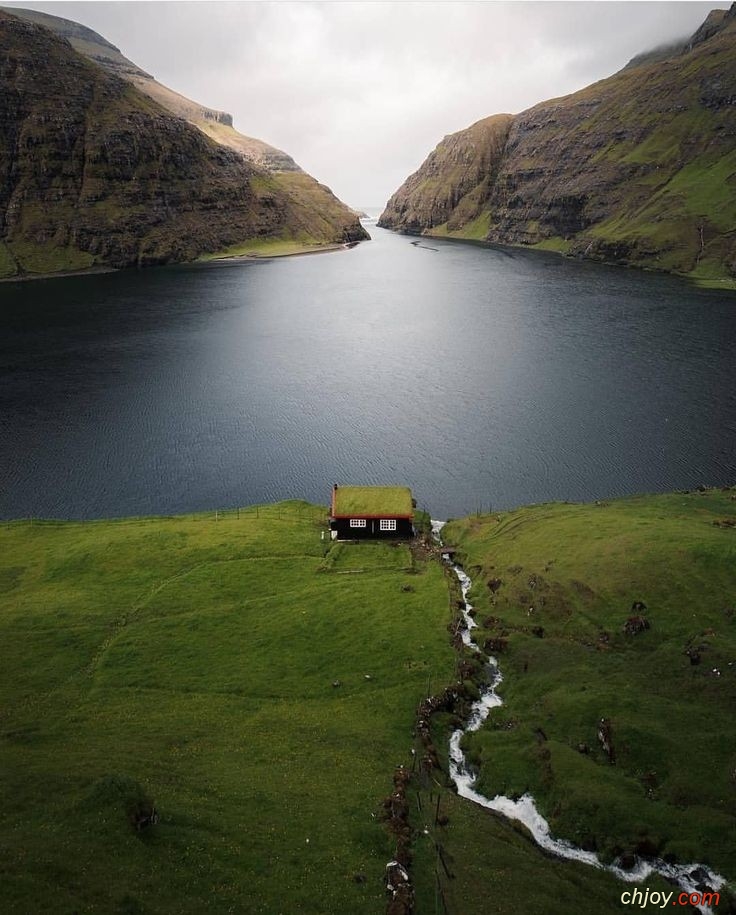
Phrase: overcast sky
(360, 92)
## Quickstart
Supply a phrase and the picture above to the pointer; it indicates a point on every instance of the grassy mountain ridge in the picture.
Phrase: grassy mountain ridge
(638, 169)
(94, 172)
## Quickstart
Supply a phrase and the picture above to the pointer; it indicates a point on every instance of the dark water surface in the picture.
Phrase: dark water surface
(476, 376)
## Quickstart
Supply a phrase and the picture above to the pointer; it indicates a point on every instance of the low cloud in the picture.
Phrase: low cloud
(359, 93)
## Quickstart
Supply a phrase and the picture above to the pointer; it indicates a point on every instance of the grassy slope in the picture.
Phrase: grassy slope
(494, 868)
(580, 567)
(448, 194)
(204, 673)
(315, 219)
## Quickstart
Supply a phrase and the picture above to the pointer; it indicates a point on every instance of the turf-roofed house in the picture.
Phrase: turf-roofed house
(360, 512)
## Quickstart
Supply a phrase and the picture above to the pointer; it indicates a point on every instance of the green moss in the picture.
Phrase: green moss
(711, 273)
(8, 266)
(373, 500)
(664, 143)
(707, 189)
(267, 247)
(34, 258)
(555, 243)
(476, 229)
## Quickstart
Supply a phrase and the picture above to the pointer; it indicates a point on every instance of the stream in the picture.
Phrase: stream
(690, 878)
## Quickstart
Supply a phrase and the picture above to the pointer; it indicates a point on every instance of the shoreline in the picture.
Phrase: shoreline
(304, 250)
(206, 259)
(601, 500)
(724, 284)
(28, 277)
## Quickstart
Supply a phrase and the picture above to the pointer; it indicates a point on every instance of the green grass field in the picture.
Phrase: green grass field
(190, 662)
(270, 247)
(557, 584)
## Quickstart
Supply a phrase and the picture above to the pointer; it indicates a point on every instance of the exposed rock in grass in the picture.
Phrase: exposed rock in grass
(396, 812)
(400, 889)
(129, 796)
(650, 782)
(495, 646)
(636, 624)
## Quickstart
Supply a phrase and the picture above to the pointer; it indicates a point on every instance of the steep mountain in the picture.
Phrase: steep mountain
(95, 172)
(639, 168)
(451, 188)
(216, 124)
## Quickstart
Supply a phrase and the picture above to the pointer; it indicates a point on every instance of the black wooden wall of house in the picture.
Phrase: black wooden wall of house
(372, 530)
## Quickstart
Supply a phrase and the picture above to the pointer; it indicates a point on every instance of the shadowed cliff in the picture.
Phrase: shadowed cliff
(93, 172)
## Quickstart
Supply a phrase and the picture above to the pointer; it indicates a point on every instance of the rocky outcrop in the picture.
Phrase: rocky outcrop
(638, 169)
(93, 172)
(453, 185)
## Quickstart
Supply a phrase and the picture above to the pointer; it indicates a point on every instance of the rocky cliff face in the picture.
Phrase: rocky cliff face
(92, 171)
(451, 188)
(99, 50)
(638, 169)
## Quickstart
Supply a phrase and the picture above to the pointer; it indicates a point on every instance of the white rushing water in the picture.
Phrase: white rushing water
(689, 877)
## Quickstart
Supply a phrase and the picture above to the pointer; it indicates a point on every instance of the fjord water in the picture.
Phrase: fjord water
(478, 376)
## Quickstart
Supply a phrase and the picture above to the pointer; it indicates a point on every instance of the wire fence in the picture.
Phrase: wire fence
(279, 511)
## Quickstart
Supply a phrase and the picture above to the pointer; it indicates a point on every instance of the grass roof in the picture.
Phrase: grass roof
(365, 501)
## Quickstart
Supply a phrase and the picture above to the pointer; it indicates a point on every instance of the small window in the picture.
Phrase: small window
(358, 522)
(388, 524)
